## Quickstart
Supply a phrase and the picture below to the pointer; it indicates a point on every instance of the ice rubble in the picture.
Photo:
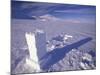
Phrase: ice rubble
(74, 60)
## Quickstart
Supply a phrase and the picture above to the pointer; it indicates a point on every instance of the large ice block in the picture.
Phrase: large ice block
(33, 58)
(37, 48)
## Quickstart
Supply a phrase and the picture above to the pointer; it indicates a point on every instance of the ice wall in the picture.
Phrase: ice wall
(40, 38)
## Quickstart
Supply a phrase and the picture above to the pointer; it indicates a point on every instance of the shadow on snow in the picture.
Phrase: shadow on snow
(59, 53)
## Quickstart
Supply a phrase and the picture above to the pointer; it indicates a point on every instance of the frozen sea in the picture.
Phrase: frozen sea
(52, 28)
